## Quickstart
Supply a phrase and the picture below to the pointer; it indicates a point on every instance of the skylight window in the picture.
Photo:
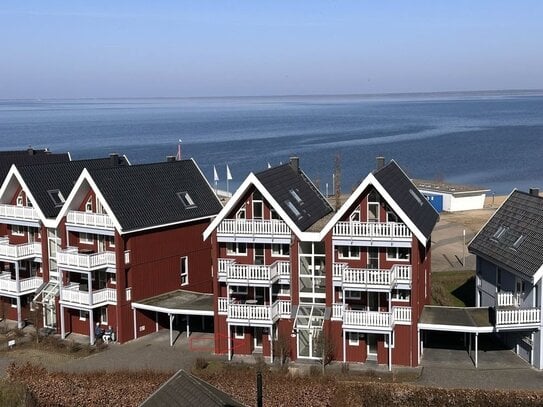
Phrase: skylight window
(500, 232)
(56, 197)
(295, 195)
(293, 209)
(414, 195)
(186, 199)
(518, 242)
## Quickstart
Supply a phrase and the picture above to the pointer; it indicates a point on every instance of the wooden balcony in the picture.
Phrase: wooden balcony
(253, 274)
(90, 220)
(372, 231)
(15, 252)
(364, 279)
(253, 229)
(254, 314)
(521, 318)
(24, 213)
(371, 320)
(71, 295)
(71, 258)
(9, 285)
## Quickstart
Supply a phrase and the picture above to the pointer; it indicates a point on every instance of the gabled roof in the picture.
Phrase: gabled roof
(42, 179)
(28, 157)
(186, 390)
(401, 195)
(296, 194)
(298, 209)
(513, 237)
(151, 195)
(407, 196)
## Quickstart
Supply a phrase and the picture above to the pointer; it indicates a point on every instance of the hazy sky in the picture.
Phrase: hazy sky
(203, 48)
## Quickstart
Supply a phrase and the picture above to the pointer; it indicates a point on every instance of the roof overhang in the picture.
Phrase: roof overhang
(173, 303)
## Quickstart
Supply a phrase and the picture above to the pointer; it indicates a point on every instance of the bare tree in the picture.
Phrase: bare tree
(325, 348)
(35, 317)
(282, 345)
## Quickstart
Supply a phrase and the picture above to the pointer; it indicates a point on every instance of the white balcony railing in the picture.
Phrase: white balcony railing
(373, 319)
(90, 219)
(72, 294)
(401, 315)
(253, 227)
(337, 311)
(19, 212)
(372, 277)
(19, 251)
(71, 258)
(519, 317)
(253, 272)
(26, 285)
(255, 313)
(507, 299)
(371, 230)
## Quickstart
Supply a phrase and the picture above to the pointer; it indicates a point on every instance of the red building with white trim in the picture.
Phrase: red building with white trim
(288, 268)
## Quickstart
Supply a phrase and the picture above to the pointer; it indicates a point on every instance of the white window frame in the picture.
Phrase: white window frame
(261, 203)
(20, 199)
(85, 238)
(113, 278)
(236, 333)
(232, 249)
(391, 339)
(88, 205)
(377, 203)
(17, 230)
(13, 302)
(284, 289)
(349, 295)
(396, 297)
(353, 342)
(84, 315)
(103, 314)
(184, 275)
(241, 211)
(391, 212)
(111, 241)
(350, 255)
(397, 255)
(281, 251)
(239, 289)
(355, 214)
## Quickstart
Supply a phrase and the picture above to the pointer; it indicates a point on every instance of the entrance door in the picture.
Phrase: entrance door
(373, 301)
(259, 295)
(258, 339)
(372, 346)
(50, 316)
(101, 244)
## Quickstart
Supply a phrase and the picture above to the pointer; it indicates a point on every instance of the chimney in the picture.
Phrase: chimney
(380, 162)
(295, 163)
(534, 191)
(114, 159)
(30, 150)
(171, 158)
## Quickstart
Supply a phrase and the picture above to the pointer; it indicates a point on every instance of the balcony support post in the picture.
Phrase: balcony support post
(344, 346)
(270, 337)
(91, 326)
(156, 321)
(188, 326)
(20, 324)
(476, 346)
(135, 323)
(390, 351)
(229, 339)
(89, 282)
(170, 316)
(17, 277)
(62, 323)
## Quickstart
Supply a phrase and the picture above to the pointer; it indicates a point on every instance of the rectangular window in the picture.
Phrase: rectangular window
(391, 216)
(373, 206)
(280, 250)
(17, 230)
(348, 252)
(373, 257)
(355, 216)
(88, 205)
(391, 344)
(86, 238)
(83, 315)
(57, 197)
(401, 295)
(103, 315)
(238, 289)
(239, 332)
(186, 199)
(20, 199)
(398, 253)
(353, 295)
(354, 339)
(284, 289)
(236, 249)
(111, 241)
(241, 214)
(184, 266)
(113, 278)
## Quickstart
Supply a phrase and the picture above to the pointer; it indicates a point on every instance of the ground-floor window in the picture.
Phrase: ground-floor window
(83, 315)
(103, 315)
(391, 344)
(354, 338)
(239, 332)
(13, 302)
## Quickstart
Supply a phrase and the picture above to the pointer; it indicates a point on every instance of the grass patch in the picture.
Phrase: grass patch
(453, 288)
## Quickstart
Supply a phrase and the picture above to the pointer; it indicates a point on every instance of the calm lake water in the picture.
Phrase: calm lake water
(494, 140)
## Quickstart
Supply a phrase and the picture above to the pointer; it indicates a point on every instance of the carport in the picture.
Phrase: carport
(173, 303)
(470, 321)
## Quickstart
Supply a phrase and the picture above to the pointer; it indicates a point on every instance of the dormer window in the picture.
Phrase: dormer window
(186, 199)
(20, 199)
(355, 216)
(57, 197)
(88, 205)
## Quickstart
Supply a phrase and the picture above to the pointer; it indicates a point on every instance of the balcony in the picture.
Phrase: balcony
(18, 251)
(253, 274)
(253, 228)
(507, 299)
(90, 220)
(71, 258)
(381, 231)
(72, 295)
(25, 286)
(254, 314)
(363, 278)
(371, 320)
(24, 213)
(518, 318)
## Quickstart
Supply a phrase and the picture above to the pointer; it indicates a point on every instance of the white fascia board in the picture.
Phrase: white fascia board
(371, 180)
(14, 173)
(126, 232)
(455, 328)
(176, 311)
(85, 176)
(252, 180)
(489, 219)
(538, 274)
